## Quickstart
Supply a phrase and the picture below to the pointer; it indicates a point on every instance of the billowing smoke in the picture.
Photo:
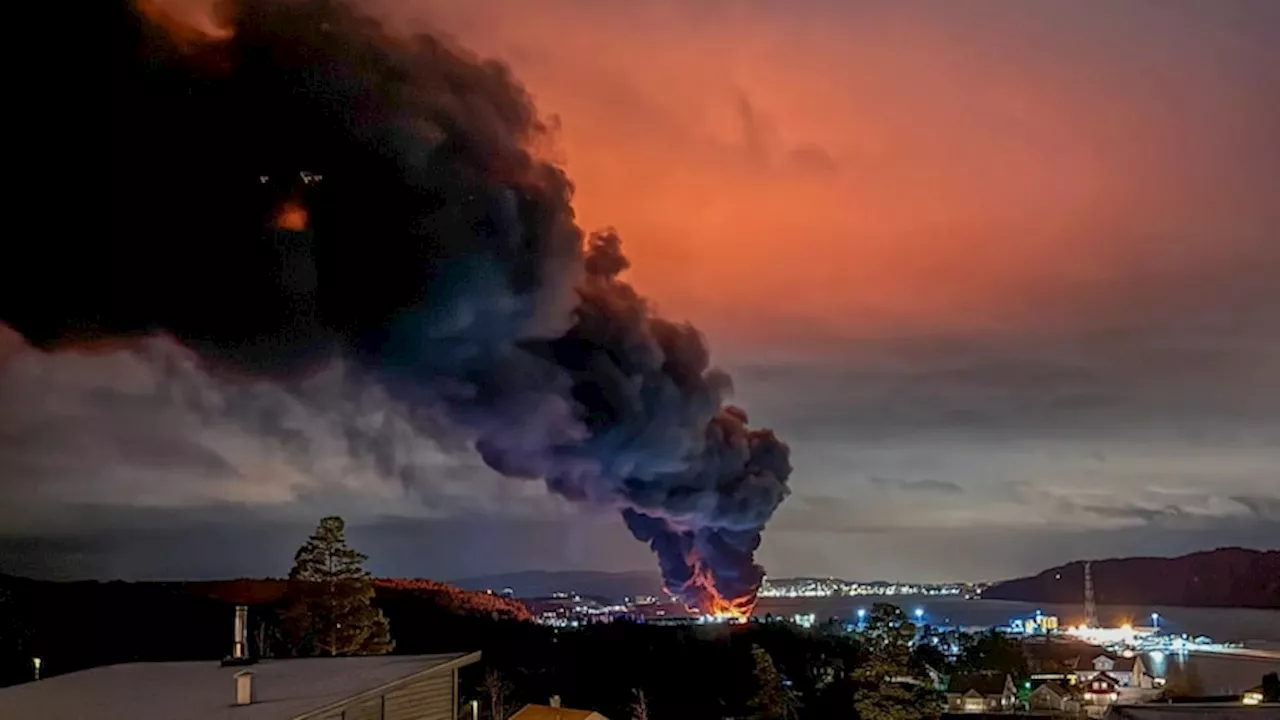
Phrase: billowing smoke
(298, 188)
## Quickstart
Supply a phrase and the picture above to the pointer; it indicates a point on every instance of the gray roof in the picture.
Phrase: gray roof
(283, 689)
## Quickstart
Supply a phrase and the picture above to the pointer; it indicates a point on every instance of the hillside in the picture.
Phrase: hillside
(1227, 577)
(446, 597)
(75, 625)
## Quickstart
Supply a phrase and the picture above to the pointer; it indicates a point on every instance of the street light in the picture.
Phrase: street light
(35, 664)
(919, 613)
(1155, 619)
(862, 614)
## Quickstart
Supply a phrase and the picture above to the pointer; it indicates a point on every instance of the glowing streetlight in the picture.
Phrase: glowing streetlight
(862, 614)
(35, 664)
(919, 613)
(1155, 620)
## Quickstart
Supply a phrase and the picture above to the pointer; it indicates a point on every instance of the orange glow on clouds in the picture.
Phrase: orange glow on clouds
(187, 21)
(857, 169)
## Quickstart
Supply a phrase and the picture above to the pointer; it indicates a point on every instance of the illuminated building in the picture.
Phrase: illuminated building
(1100, 693)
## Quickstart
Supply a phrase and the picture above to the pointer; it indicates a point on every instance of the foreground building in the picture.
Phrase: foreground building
(1052, 697)
(1128, 672)
(981, 693)
(380, 687)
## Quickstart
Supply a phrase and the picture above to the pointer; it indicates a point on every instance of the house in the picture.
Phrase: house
(1100, 693)
(1052, 697)
(981, 692)
(555, 712)
(1253, 696)
(377, 687)
(1129, 672)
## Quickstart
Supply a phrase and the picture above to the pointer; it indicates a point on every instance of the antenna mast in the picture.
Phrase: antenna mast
(1090, 608)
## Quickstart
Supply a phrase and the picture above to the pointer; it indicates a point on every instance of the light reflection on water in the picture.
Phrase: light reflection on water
(1219, 674)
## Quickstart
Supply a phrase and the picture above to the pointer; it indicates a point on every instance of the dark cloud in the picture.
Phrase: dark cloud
(1134, 512)
(374, 209)
(765, 150)
(1263, 508)
(925, 485)
(812, 158)
(222, 542)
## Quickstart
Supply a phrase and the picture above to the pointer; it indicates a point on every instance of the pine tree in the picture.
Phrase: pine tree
(330, 606)
(773, 699)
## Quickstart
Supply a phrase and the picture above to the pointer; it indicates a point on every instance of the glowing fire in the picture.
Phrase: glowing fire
(292, 217)
(723, 609)
(708, 601)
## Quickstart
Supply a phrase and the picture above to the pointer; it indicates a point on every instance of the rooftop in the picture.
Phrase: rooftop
(546, 712)
(1053, 687)
(983, 683)
(283, 689)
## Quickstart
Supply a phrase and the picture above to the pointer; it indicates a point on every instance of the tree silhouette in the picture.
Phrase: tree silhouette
(773, 699)
(640, 707)
(1271, 688)
(886, 686)
(993, 652)
(330, 598)
(498, 690)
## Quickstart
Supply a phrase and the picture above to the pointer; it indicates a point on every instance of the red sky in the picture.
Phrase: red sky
(894, 168)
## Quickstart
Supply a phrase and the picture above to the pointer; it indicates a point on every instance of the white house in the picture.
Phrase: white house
(1128, 672)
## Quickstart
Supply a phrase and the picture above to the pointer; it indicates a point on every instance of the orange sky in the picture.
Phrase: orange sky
(1067, 209)
(851, 168)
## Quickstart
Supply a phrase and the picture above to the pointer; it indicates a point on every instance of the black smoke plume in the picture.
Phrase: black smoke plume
(304, 188)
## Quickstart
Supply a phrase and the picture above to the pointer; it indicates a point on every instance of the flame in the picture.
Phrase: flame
(726, 609)
(292, 216)
(705, 599)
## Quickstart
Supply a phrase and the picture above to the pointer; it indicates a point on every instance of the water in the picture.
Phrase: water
(1221, 624)
(1220, 674)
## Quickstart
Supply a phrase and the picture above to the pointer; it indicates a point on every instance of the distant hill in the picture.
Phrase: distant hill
(541, 583)
(1227, 577)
